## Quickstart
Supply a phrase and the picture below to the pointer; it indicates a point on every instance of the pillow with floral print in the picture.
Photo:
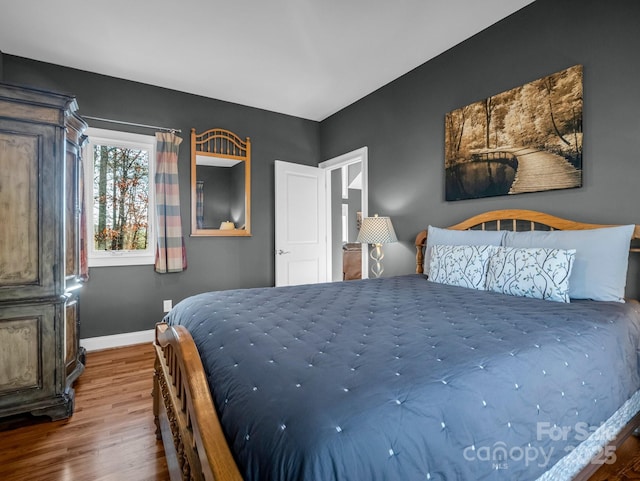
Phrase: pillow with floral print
(542, 273)
(464, 266)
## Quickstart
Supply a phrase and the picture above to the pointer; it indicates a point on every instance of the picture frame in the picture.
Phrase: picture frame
(527, 139)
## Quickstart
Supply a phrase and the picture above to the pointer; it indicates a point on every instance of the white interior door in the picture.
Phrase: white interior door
(301, 231)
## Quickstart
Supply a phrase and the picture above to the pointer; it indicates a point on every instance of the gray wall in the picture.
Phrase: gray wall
(403, 126)
(127, 299)
(403, 122)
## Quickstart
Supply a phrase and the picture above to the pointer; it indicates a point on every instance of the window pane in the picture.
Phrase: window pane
(121, 198)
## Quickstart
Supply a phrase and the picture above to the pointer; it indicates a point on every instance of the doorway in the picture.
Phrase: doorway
(347, 203)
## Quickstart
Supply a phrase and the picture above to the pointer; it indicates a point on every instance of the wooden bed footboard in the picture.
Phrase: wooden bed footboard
(185, 417)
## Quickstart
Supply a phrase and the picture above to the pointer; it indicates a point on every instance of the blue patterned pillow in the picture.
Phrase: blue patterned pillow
(464, 266)
(531, 272)
(451, 237)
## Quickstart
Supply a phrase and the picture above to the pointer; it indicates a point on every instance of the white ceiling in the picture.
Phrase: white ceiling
(307, 58)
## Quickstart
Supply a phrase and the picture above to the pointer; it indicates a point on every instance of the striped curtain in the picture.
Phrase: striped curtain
(171, 255)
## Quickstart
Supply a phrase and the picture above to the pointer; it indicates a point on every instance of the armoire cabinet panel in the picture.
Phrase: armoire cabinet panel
(19, 360)
(30, 110)
(19, 209)
(73, 158)
(71, 218)
(27, 360)
(28, 209)
(74, 355)
(40, 356)
(70, 333)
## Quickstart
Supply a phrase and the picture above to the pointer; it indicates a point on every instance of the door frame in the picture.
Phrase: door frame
(358, 155)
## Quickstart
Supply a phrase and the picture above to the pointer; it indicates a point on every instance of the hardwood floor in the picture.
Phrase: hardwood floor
(627, 465)
(111, 435)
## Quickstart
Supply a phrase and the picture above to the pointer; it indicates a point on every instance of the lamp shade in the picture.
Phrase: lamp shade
(376, 230)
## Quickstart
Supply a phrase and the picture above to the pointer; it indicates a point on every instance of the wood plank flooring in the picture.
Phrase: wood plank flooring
(627, 465)
(111, 435)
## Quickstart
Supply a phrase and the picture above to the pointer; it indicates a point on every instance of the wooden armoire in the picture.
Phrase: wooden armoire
(40, 154)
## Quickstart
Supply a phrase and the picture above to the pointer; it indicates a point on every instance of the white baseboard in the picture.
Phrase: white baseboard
(117, 340)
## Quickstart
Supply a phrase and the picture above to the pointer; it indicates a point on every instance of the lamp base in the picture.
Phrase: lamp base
(377, 256)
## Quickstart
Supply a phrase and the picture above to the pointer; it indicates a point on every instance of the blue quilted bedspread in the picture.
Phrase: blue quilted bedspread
(404, 379)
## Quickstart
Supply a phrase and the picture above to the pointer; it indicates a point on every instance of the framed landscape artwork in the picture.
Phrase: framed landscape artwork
(527, 139)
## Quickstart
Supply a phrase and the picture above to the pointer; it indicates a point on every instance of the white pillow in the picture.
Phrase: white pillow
(464, 266)
(540, 273)
(435, 235)
(602, 255)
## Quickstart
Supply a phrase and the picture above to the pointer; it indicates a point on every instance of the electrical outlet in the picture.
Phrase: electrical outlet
(167, 305)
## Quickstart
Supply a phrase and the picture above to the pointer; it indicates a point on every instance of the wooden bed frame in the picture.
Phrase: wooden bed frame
(186, 419)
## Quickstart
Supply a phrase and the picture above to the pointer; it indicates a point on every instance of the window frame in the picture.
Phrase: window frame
(127, 140)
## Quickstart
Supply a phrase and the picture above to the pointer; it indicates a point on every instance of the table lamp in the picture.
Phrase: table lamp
(377, 231)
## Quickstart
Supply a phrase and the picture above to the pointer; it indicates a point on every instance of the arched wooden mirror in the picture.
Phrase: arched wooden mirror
(220, 184)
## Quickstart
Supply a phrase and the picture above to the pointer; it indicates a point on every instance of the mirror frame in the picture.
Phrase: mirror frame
(222, 144)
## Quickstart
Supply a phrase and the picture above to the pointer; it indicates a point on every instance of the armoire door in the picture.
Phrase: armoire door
(27, 360)
(30, 188)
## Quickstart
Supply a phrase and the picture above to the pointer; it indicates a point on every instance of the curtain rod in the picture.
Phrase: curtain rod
(133, 124)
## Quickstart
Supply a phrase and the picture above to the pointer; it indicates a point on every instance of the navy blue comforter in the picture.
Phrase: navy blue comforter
(403, 379)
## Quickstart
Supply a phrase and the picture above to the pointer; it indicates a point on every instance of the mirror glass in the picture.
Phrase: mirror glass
(220, 194)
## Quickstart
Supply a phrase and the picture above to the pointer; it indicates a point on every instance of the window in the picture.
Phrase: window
(119, 187)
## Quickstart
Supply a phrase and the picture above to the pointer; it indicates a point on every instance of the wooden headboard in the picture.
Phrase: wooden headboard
(514, 220)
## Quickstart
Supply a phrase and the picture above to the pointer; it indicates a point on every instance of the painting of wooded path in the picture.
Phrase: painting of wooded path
(527, 139)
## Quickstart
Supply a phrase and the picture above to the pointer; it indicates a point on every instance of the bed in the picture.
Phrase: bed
(397, 378)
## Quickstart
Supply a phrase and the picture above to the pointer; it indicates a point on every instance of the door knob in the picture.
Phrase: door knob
(281, 252)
